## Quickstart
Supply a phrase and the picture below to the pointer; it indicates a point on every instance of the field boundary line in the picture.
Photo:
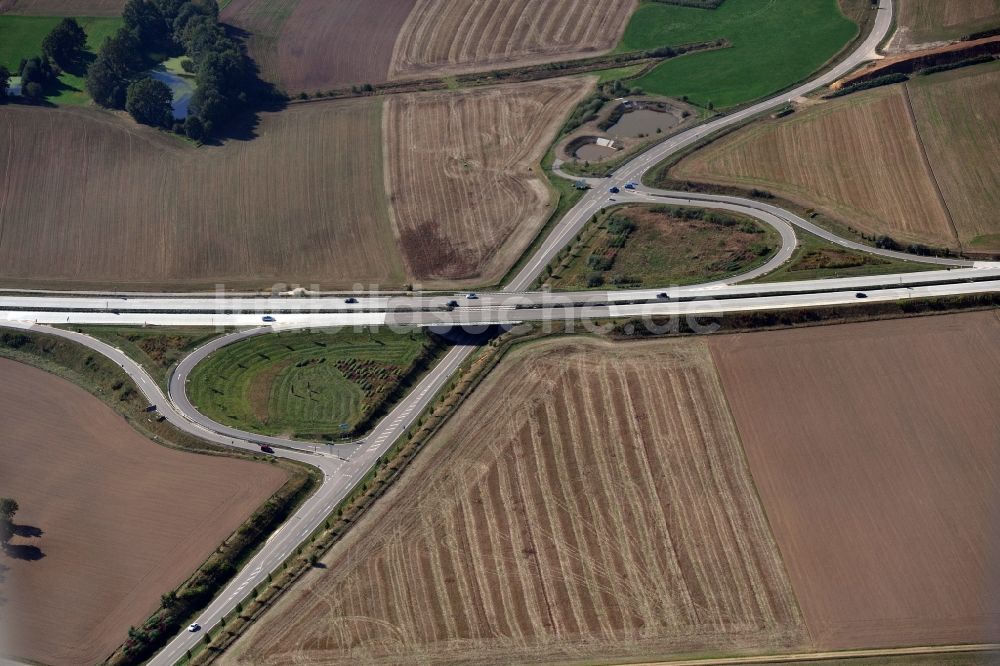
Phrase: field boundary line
(825, 656)
(928, 165)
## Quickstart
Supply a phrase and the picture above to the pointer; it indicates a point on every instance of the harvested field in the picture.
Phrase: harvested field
(91, 199)
(108, 520)
(589, 501)
(62, 7)
(957, 119)
(859, 159)
(461, 174)
(455, 36)
(922, 21)
(320, 44)
(875, 450)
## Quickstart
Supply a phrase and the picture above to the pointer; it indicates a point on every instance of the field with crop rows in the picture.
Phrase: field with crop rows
(303, 383)
(466, 195)
(858, 158)
(62, 7)
(774, 44)
(90, 199)
(874, 449)
(108, 520)
(452, 36)
(588, 502)
(921, 21)
(317, 44)
(956, 117)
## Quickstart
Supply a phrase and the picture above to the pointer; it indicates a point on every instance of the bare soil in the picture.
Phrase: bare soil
(455, 36)
(108, 520)
(91, 199)
(589, 501)
(928, 21)
(875, 450)
(321, 44)
(466, 195)
(62, 7)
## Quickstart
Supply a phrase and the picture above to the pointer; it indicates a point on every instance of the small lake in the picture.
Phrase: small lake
(642, 121)
(182, 87)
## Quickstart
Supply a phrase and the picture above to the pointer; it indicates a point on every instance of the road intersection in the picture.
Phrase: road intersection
(344, 466)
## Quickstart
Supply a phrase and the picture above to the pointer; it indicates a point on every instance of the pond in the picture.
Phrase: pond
(642, 121)
(181, 86)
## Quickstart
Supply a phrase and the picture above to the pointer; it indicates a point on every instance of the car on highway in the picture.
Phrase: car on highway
(452, 304)
(351, 300)
(861, 294)
(193, 627)
(615, 190)
(268, 319)
(663, 296)
(266, 449)
(473, 296)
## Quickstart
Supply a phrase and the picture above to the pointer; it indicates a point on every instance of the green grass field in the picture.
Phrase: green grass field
(304, 383)
(775, 43)
(816, 258)
(661, 250)
(21, 37)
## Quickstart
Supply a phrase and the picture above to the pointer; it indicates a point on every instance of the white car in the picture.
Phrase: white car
(193, 627)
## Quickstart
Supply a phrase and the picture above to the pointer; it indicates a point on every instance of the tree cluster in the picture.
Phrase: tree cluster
(152, 29)
(8, 507)
(36, 73)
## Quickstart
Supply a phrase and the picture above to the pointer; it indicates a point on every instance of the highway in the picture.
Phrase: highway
(344, 465)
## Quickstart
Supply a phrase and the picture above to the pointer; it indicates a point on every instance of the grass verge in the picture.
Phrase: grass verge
(104, 379)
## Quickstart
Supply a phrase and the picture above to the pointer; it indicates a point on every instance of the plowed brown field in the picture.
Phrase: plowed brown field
(922, 21)
(876, 451)
(858, 158)
(108, 521)
(88, 198)
(589, 501)
(461, 174)
(62, 7)
(320, 44)
(452, 36)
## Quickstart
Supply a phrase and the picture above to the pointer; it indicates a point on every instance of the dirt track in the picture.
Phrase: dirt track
(120, 520)
(876, 453)
(589, 501)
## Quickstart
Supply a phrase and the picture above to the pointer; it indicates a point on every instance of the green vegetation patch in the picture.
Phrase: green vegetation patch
(816, 258)
(306, 384)
(21, 37)
(775, 43)
(657, 246)
(155, 349)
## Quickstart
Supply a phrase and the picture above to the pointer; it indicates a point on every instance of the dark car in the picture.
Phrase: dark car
(266, 449)
(351, 300)
(663, 296)
(452, 304)
(268, 318)
(861, 294)
(614, 190)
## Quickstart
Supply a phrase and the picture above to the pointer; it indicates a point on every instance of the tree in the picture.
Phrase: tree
(169, 599)
(116, 66)
(36, 69)
(8, 507)
(4, 82)
(144, 20)
(149, 102)
(66, 43)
